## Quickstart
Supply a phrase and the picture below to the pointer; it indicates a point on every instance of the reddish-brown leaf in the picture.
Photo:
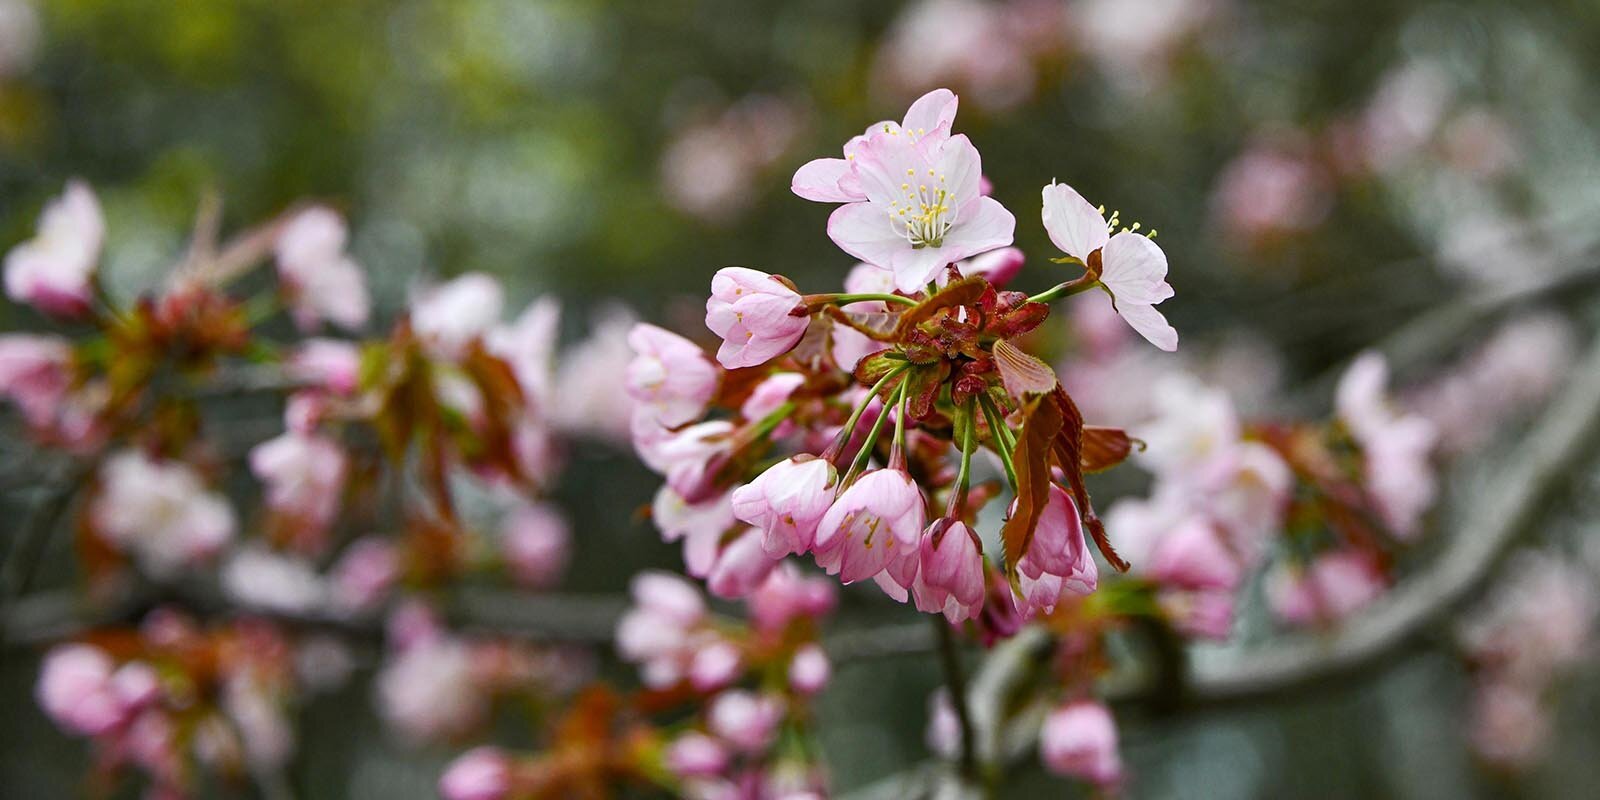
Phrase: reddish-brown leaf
(1041, 427)
(964, 292)
(1104, 448)
(923, 384)
(1069, 455)
(1021, 373)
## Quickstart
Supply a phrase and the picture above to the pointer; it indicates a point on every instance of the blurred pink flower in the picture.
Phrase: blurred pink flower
(943, 734)
(528, 344)
(160, 512)
(1192, 555)
(1079, 740)
(35, 373)
(1270, 190)
(1395, 446)
(320, 279)
(54, 271)
(750, 311)
(365, 573)
(1508, 726)
(996, 266)
(710, 168)
(696, 755)
(1132, 267)
(328, 364)
(700, 526)
(75, 689)
(482, 773)
(746, 720)
(670, 379)
(787, 595)
(586, 400)
(715, 665)
(809, 670)
(741, 566)
(657, 632)
(982, 48)
(449, 316)
(304, 477)
(428, 693)
(536, 544)
(1334, 586)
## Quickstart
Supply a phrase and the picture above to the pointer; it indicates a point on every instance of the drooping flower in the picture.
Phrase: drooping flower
(35, 373)
(1129, 265)
(950, 575)
(54, 270)
(1057, 562)
(1079, 740)
(875, 520)
(741, 565)
(700, 526)
(922, 210)
(831, 180)
(321, 280)
(787, 502)
(670, 378)
(750, 311)
(1335, 585)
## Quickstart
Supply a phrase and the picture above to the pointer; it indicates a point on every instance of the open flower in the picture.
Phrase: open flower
(449, 316)
(321, 281)
(53, 271)
(750, 309)
(304, 475)
(1129, 265)
(160, 511)
(831, 180)
(1395, 446)
(878, 518)
(1057, 561)
(923, 208)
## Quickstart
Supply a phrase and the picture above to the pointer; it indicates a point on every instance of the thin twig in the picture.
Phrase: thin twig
(955, 679)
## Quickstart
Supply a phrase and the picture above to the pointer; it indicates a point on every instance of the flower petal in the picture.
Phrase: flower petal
(818, 180)
(1150, 324)
(1074, 226)
(1135, 270)
(864, 232)
(932, 113)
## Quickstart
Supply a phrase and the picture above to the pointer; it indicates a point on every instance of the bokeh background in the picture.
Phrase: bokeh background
(1321, 173)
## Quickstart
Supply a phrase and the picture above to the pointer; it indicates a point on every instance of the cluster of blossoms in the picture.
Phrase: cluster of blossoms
(401, 464)
(1535, 627)
(171, 698)
(923, 338)
(749, 684)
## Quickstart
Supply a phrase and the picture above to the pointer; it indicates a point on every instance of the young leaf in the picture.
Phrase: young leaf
(959, 293)
(1041, 427)
(1021, 373)
(1069, 451)
(1104, 448)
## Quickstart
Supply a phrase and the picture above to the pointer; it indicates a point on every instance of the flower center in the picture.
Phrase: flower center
(922, 214)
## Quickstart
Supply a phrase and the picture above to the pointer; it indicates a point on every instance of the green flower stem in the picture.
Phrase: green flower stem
(843, 299)
(1001, 436)
(872, 438)
(843, 439)
(1060, 290)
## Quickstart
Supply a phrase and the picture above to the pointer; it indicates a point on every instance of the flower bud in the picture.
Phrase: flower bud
(750, 310)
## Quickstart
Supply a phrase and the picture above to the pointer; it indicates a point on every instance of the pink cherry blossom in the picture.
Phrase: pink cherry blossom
(831, 180)
(586, 399)
(1204, 614)
(1079, 740)
(428, 691)
(922, 208)
(1395, 446)
(787, 502)
(696, 755)
(54, 271)
(658, 631)
(876, 519)
(950, 574)
(160, 512)
(1334, 586)
(528, 344)
(987, 49)
(35, 373)
(1132, 267)
(700, 526)
(770, 395)
(788, 595)
(365, 573)
(745, 719)
(329, 364)
(75, 688)
(536, 543)
(449, 316)
(809, 670)
(670, 379)
(321, 281)
(304, 477)
(996, 266)
(750, 311)
(1192, 555)
(741, 566)
(1057, 561)
(257, 577)
(482, 773)
(714, 666)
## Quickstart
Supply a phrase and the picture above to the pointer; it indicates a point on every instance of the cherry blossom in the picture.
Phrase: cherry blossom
(54, 271)
(750, 310)
(1128, 265)
(832, 180)
(320, 279)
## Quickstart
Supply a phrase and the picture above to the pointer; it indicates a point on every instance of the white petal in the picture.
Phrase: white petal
(1150, 324)
(984, 226)
(931, 113)
(962, 168)
(864, 232)
(1135, 270)
(1074, 226)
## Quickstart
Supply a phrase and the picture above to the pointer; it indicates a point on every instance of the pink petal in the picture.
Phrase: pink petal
(1135, 270)
(931, 113)
(819, 180)
(864, 232)
(1151, 325)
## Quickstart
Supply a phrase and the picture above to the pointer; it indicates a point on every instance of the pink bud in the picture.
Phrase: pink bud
(750, 311)
(770, 395)
(536, 544)
(365, 573)
(715, 666)
(787, 501)
(787, 595)
(669, 378)
(876, 519)
(330, 364)
(745, 719)
(1080, 740)
(696, 755)
(75, 689)
(950, 577)
(741, 566)
(810, 670)
(483, 773)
